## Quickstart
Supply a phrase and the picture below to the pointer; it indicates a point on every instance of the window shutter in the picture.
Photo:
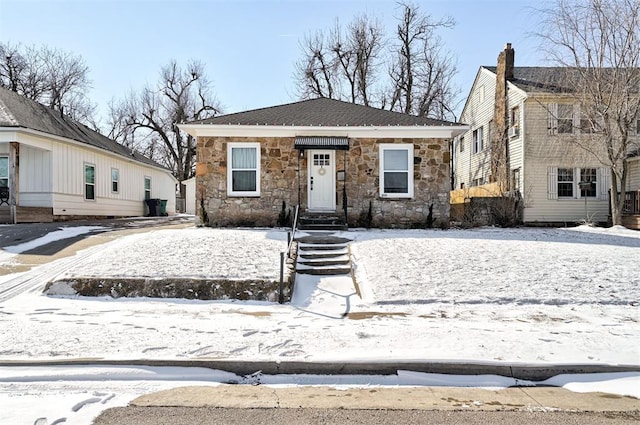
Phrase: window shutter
(552, 178)
(552, 119)
(604, 180)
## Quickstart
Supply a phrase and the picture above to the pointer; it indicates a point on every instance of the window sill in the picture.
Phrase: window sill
(395, 196)
(243, 195)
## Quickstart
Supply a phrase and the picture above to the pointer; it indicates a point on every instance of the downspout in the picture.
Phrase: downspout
(13, 180)
(344, 190)
(300, 153)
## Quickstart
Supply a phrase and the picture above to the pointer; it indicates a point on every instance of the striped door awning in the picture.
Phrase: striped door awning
(334, 143)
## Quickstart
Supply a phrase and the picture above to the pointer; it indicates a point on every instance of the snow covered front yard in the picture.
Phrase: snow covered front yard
(482, 295)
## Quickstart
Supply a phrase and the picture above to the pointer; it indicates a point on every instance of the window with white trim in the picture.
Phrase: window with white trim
(243, 171)
(115, 180)
(147, 187)
(565, 118)
(478, 140)
(565, 183)
(4, 171)
(396, 170)
(462, 144)
(89, 182)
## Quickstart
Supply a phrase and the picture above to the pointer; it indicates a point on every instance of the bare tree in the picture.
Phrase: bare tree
(421, 72)
(152, 115)
(56, 78)
(345, 64)
(342, 63)
(598, 43)
(315, 72)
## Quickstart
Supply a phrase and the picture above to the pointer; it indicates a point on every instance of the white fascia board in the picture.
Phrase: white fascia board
(416, 132)
(15, 132)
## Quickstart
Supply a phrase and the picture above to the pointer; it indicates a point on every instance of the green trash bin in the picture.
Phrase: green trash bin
(163, 207)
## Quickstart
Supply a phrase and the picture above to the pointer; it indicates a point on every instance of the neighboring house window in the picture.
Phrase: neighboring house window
(478, 140)
(4, 171)
(396, 176)
(115, 179)
(588, 175)
(565, 118)
(89, 182)
(461, 185)
(243, 174)
(481, 94)
(514, 122)
(585, 124)
(147, 188)
(565, 183)
(462, 144)
(515, 179)
(477, 182)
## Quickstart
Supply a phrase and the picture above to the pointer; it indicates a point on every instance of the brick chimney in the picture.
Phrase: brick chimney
(500, 140)
(505, 61)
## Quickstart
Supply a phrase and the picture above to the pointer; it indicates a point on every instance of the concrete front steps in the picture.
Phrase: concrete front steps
(321, 221)
(323, 254)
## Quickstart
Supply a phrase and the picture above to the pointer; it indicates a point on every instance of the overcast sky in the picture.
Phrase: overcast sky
(249, 47)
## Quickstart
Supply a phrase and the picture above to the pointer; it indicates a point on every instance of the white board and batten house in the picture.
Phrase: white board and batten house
(541, 161)
(54, 168)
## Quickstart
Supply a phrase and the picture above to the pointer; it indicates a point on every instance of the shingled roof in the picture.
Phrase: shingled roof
(20, 112)
(322, 112)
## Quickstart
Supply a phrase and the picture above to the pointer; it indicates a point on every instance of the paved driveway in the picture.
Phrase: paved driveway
(15, 234)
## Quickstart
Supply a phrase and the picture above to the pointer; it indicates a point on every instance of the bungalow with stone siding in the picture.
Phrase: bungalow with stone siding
(365, 165)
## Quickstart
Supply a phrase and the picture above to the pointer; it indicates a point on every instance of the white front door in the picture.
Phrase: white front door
(322, 180)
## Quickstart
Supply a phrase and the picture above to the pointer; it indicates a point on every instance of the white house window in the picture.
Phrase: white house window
(589, 175)
(515, 179)
(565, 118)
(4, 171)
(243, 174)
(462, 144)
(565, 183)
(115, 180)
(396, 176)
(147, 188)
(89, 182)
(478, 139)
(481, 94)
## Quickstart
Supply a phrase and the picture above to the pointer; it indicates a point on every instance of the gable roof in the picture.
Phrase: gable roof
(322, 112)
(19, 112)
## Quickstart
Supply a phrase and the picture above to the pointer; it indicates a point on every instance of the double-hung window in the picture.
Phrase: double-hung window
(89, 182)
(243, 171)
(478, 139)
(115, 180)
(565, 183)
(396, 170)
(588, 175)
(147, 188)
(575, 183)
(565, 118)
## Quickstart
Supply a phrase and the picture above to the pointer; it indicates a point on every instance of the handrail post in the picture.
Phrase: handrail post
(281, 288)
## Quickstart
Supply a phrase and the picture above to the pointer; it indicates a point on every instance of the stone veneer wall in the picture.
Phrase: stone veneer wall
(280, 178)
(431, 185)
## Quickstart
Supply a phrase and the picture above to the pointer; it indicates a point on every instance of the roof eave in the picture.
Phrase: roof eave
(237, 130)
(38, 133)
